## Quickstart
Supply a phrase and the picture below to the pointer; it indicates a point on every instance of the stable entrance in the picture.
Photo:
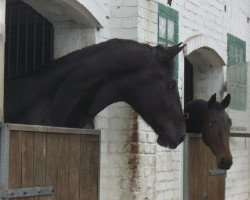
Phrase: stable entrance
(38, 162)
(203, 77)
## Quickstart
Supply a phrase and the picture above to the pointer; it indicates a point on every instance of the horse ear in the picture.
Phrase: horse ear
(172, 51)
(168, 53)
(212, 100)
(226, 101)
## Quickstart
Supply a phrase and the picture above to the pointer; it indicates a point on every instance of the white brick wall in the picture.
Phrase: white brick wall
(120, 178)
(115, 123)
(70, 37)
(237, 184)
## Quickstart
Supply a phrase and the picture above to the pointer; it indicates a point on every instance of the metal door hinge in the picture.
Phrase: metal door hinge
(26, 192)
(214, 172)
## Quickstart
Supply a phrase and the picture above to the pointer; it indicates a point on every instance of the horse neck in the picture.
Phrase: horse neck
(196, 110)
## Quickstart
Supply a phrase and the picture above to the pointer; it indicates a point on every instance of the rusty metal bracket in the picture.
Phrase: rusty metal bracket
(26, 192)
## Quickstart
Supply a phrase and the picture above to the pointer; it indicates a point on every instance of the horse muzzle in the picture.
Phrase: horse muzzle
(225, 163)
(167, 142)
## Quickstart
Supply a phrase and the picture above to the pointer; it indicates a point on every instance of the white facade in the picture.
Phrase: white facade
(133, 166)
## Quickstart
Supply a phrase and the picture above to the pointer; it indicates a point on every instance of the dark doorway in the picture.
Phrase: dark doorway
(29, 39)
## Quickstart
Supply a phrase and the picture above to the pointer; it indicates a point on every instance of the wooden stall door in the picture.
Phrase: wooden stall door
(203, 183)
(67, 159)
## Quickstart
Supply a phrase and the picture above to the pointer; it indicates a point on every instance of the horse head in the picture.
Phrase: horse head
(147, 84)
(215, 133)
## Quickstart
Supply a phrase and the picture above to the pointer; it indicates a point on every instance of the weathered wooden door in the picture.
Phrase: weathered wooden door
(39, 162)
(206, 182)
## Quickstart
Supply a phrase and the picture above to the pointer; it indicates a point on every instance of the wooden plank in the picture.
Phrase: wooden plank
(4, 156)
(193, 169)
(51, 163)
(203, 169)
(15, 160)
(39, 161)
(51, 129)
(63, 167)
(74, 166)
(94, 167)
(27, 161)
(84, 167)
(215, 189)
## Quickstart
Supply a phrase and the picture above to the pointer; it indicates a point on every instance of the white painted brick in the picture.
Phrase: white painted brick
(116, 2)
(124, 11)
(143, 4)
(131, 3)
(124, 33)
(142, 13)
(130, 22)
(115, 23)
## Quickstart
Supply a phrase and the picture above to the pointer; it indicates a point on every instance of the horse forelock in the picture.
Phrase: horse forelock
(196, 110)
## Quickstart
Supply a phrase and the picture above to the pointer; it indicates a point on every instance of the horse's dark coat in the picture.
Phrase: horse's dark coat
(210, 119)
(76, 87)
(196, 110)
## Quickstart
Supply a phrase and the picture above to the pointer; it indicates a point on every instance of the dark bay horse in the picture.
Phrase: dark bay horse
(210, 119)
(74, 88)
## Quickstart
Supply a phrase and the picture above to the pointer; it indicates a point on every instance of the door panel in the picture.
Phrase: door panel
(201, 184)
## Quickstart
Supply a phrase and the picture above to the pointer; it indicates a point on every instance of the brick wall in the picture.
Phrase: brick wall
(237, 184)
(119, 149)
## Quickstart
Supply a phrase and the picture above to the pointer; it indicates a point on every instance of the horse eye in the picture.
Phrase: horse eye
(210, 124)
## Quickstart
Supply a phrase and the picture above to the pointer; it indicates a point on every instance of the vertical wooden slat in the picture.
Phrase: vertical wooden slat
(193, 169)
(203, 169)
(212, 181)
(51, 164)
(74, 166)
(15, 158)
(221, 186)
(39, 161)
(216, 184)
(84, 169)
(94, 167)
(63, 167)
(27, 161)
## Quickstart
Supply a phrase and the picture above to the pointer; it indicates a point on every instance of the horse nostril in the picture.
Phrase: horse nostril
(226, 163)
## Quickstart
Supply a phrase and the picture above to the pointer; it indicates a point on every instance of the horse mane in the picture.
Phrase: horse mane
(196, 110)
(94, 49)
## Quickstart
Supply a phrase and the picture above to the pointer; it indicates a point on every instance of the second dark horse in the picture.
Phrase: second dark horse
(74, 88)
(210, 119)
